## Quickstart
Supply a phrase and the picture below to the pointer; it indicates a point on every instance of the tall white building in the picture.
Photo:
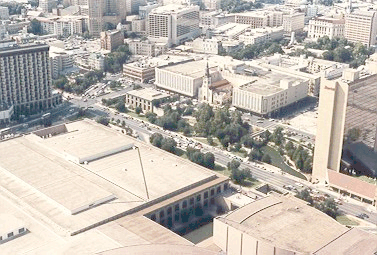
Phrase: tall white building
(361, 26)
(326, 26)
(46, 5)
(4, 13)
(25, 78)
(173, 24)
(294, 21)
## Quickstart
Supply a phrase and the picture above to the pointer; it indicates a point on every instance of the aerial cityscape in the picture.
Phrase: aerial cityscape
(188, 127)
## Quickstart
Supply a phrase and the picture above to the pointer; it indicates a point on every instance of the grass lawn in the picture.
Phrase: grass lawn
(137, 116)
(277, 160)
(344, 220)
(251, 183)
(367, 179)
(204, 140)
(222, 170)
(239, 154)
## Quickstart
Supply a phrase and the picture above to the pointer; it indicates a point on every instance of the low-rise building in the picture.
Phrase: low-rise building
(258, 19)
(110, 40)
(326, 26)
(140, 47)
(260, 35)
(211, 20)
(207, 46)
(144, 98)
(60, 60)
(287, 225)
(230, 31)
(268, 91)
(139, 71)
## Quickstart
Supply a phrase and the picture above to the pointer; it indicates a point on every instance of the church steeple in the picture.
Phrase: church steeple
(207, 70)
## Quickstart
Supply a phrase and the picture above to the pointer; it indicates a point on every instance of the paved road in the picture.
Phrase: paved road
(221, 157)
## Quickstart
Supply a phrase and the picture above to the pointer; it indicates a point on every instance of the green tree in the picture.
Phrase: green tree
(305, 195)
(239, 176)
(168, 144)
(103, 120)
(329, 207)
(35, 27)
(234, 164)
(138, 110)
(266, 158)
(156, 139)
(209, 160)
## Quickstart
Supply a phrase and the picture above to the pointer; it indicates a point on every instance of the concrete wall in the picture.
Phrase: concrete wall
(236, 242)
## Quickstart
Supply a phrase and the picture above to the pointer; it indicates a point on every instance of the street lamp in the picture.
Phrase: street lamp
(142, 170)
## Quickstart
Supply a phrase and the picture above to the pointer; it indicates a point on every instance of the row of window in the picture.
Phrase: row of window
(191, 202)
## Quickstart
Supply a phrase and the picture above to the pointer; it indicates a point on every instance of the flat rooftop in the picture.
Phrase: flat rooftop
(148, 94)
(172, 8)
(287, 223)
(267, 82)
(194, 69)
(50, 175)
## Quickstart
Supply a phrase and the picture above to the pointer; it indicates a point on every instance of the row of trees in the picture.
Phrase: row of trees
(171, 120)
(198, 157)
(117, 103)
(327, 206)
(165, 143)
(80, 84)
(300, 156)
(258, 50)
(115, 60)
(341, 50)
(227, 127)
(234, 6)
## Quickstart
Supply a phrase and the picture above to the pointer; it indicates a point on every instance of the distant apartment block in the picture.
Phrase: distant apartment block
(211, 20)
(261, 35)
(145, 48)
(46, 5)
(294, 22)
(25, 78)
(361, 26)
(110, 40)
(173, 24)
(260, 19)
(62, 26)
(95, 23)
(60, 60)
(208, 46)
(326, 26)
(4, 13)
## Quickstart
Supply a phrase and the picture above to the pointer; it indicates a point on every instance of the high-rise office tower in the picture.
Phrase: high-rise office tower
(95, 16)
(25, 79)
(173, 24)
(346, 129)
(361, 26)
